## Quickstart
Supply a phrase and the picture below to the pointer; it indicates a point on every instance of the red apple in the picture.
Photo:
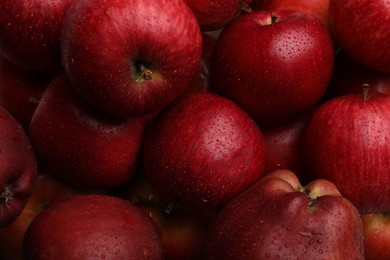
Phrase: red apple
(92, 227)
(133, 57)
(47, 190)
(277, 218)
(361, 28)
(82, 145)
(349, 76)
(202, 151)
(20, 90)
(30, 32)
(273, 64)
(213, 15)
(347, 142)
(18, 168)
(376, 228)
(283, 146)
(317, 8)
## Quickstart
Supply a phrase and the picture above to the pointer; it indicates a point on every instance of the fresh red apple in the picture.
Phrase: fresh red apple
(18, 168)
(273, 64)
(283, 146)
(81, 144)
(92, 227)
(349, 76)
(133, 57)
(20, 90)
(347, 142)
(317, 8)
(376, 228)
(30, 32)
(277, 218)
(213, 15)
(47, 190)
(202, 151)
(361, 28)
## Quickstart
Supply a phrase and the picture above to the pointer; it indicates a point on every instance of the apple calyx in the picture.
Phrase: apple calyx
(141, 72)
(6, 195)
(311, 197)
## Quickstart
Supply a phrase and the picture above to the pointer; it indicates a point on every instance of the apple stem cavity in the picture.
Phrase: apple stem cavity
(6, 195)
(274, 19)
(366, 88)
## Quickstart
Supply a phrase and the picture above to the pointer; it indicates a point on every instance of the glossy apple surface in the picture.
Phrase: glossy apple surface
(277, 218)
(347, 142)
(92, 226)
(202, 151)
(18, 168)
(155, 49)
(273, 64)
(361, 28)
(82, 145)
(30, 32)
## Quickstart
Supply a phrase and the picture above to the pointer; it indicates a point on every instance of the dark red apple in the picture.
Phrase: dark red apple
(347, 142)
(82, 145)
(202, 151)
(92, 227)
(213, 15)
(283, 146)
(361, 28)
(47, 190)
(349, 76)
(18, 168)
(273, 64)
(133, 57)
(376, 228)
(20, 90)
(317, 8)
(30, 32)
(277, 218)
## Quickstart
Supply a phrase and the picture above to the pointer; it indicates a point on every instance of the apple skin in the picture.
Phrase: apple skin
(92, 226)
(213, 15)
(30, 32)
(202, 151)
(376, 228)
(346, 141)
(277, 218)
(147, 64)
(20, 90)
(47, 190)
(84, 146)
(317, 8)
(361, 28)
(273, 64)
(349, 76)
(18, 168)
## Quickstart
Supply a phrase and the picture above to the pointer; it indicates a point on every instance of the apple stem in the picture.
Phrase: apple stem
(366, 88)
(6, 195)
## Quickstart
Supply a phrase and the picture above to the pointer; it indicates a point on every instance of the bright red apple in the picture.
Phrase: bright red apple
(376, 228)
(347, 142)
(277, 218)
(317, 8)
(361, 28)
(202, 151)
(131, 57)
(92, 227)
(273, 64)
(213, 15)
(30, 32)
(47, 190)
(82, 145)
(349, 76)
(18, 168)
(20, 90)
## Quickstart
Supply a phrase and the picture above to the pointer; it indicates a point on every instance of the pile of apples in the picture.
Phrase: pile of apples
(194, 129)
